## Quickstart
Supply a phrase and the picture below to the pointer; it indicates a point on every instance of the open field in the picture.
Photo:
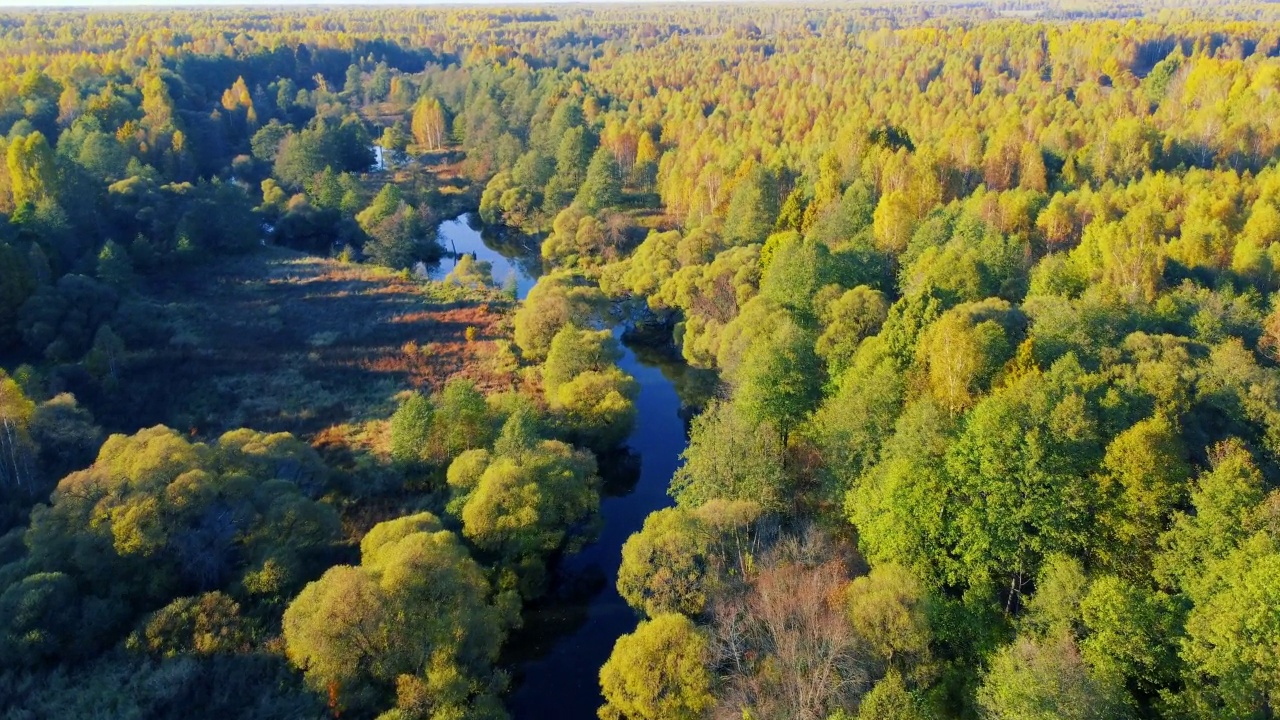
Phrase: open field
(278, 340)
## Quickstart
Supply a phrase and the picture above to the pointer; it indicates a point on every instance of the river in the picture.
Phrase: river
(556, 657)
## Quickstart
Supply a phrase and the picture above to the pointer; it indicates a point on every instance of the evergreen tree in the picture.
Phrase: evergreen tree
(602, 186)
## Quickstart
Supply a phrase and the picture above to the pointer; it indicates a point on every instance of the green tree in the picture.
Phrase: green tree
(106, 356)
(203, 625)
(525, 500)
(779, 382)
(1020, 466)
(1047, 680)
(1144, 478)
(582, 381)
(1224, 499)
(411, 426)
(846, 321)
(888, 610)
(573, 155)
(964, 350)
(32, 170)
(157, 517)
(66, 435)
(602, 184)
(38, 618)
(265, 143)
(665, 564)
(396, 241)
(1060, 587)
(415, 616)
(115, 268)
(1130, 633)
(753, 209)
(658, 672)
(17, 283)
(1231, 634)
(733, 458)
(891, 700)
(557, 300)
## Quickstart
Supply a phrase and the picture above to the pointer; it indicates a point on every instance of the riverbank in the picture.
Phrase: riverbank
(556, 657)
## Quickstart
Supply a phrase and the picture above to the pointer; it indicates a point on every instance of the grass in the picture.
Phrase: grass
(282, 341)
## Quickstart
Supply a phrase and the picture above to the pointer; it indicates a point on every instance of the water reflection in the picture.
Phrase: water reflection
(509, 254)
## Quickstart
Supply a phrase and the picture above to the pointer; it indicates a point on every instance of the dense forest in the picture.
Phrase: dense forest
(988, 293)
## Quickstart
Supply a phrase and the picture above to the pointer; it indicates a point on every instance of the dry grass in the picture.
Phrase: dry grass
(284, 341)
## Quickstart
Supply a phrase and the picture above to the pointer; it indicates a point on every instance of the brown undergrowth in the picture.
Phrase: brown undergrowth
(283, 341)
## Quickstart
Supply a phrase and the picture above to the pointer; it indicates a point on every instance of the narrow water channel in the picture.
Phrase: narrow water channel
(568, 636)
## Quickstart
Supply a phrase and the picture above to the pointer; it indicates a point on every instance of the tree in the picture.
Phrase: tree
(525, 501)
(573, 156)
(1031, 171)
(115, 268)
(469, 272)
(66, 435)
(658, 672)
(891, 700)
(582, 381)
(411, 426)
(38, 617)
(16, 285)
(385, 204)
(664, 566)
(1060, 587)
(437, 429)
(558, 299)
(1019, 466)
(602, 185)
(1046, 680)
(32, 174)
(17, 451)
(846, 321)
(106, 356)
(265, 143)
(1130, 633)
(1230, 633)
(429, 124)
(753, 209)
(60, 321)
(786, 643)
(964, 349)
(732, 458)
(203, 625)
(894, 222)
(1224, 499)
(396, 241)
(299, 156)
(645, 170)
(887, 609)
(1145, 477)
(779, 382)
(415, 615)
(857, 416)
(157, 517)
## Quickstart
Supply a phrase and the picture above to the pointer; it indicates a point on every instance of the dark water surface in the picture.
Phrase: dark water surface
(556, 657)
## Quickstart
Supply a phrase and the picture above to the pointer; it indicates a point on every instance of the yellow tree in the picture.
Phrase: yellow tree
(429, 125)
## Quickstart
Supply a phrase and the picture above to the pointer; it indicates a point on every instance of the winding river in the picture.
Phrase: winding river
(557, 656)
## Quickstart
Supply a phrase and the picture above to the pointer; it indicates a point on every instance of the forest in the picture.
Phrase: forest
(969, 313)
